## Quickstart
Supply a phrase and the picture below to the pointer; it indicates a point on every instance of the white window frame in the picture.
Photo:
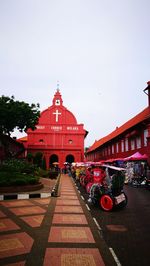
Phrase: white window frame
(133, 144)
(122, 145)
(113, 149)
(145, 137)
(138, 142)
(117, 147)
(126, 144)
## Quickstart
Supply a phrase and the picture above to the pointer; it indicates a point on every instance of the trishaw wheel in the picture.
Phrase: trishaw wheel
(106, 202)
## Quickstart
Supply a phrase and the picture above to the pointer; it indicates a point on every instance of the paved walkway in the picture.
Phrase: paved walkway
(51, 231)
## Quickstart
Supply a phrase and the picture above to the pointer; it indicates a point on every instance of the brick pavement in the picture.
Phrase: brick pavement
(51, 231)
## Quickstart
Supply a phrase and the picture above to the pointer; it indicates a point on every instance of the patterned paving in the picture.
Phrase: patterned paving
(37, 225)
(34, 221)
(7, 224)
(20, 242)
(17, 203)
(68, 197)
(42, 201)
(67, 202)
(15, 244)
(27, 210)
(69, 219)
(68, 209)
(70, 234)
(2, 214)
(73, 257)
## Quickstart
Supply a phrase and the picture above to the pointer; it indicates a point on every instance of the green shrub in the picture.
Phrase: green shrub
(44, 164)
(34, 180)
(38, 159)
(42, 173)
(20, 166)
(19, 182)
(17, 172)
(29, 157)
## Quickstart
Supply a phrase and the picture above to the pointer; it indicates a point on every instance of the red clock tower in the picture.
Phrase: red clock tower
(58, 135)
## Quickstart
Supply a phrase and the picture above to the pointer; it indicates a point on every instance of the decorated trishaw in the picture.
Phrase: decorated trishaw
(98, 175)
(109, 194)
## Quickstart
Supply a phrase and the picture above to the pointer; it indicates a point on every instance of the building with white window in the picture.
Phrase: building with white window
(131, 137)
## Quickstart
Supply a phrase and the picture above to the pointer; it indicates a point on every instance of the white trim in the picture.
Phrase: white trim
(97, 223)
(23, 196)
(115, 257)
(1, 197)
(82, 197)
(87, 207)
(45, 195)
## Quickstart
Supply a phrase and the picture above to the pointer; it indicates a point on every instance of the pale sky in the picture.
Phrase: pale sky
(99, 50)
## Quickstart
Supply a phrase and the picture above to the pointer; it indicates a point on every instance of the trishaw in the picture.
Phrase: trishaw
(98, 176)
(109, 194)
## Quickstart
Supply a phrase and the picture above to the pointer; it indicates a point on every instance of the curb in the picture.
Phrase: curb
(25, 196)
(18, 196)
(56, 189)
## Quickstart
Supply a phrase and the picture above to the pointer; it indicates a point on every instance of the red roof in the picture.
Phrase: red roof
(145, 114)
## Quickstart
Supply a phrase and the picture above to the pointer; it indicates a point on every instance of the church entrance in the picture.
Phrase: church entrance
(53, 158)
(69, 158)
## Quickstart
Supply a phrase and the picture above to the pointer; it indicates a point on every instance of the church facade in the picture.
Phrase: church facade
(58, 135)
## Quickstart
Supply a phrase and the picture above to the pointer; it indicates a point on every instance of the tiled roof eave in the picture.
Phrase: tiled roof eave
(138, 119)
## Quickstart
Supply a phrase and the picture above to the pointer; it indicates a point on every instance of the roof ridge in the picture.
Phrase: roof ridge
(144, 114)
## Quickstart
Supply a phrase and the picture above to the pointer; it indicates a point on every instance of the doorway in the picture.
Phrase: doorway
(53, 158)
(69, 158)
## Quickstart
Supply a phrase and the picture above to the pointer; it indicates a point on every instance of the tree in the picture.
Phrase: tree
(16, 114)
(44, 163)
(38, 159)
(30, 157)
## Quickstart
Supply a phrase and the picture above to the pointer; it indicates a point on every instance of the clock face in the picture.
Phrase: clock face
(57, 102)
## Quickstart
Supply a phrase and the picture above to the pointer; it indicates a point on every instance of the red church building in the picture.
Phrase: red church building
(58, 135)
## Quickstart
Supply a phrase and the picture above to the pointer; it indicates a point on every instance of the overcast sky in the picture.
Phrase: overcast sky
(98, 50)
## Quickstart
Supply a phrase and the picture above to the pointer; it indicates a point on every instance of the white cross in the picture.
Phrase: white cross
(57, 114)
